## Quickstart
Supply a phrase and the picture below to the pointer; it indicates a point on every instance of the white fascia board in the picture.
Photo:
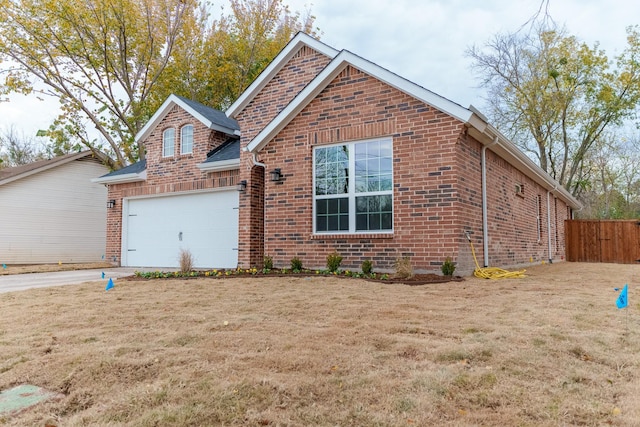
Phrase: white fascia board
(339, 63)
(164, 110)
(121, 179)
(223, 165)
(296, 43)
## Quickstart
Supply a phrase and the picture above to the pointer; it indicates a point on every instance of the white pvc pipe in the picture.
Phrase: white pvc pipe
(485, 220)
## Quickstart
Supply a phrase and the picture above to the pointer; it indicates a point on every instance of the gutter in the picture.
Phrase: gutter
(485, 220)
(549, 225)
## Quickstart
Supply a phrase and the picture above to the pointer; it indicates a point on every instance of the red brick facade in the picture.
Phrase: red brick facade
(166, 175)
(437, 185)
(437, 179)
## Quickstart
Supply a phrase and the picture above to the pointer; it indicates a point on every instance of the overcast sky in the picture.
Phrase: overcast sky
(421, 40)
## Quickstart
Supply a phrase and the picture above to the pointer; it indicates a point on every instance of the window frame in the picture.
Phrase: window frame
(351, 195)
(182, 135)
(165, 140)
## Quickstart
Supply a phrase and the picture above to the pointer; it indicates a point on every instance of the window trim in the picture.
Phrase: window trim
(182, 152)
(165, 140)
(351, 194)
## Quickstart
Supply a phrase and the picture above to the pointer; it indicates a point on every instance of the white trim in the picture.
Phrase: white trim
(352, 194)
(339, 63)
(166, 140)
(122, 179)
(296, 43)
(222, 165)
(164, 110)
(182, 152)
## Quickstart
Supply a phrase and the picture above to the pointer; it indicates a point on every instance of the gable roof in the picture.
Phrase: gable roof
(133, 173)
(224, 157)
(15, 173)
(301, 39)
(210, 117)
(335, 67)
(471, 117)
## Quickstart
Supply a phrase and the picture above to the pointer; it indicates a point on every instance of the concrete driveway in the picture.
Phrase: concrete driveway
(19, 282)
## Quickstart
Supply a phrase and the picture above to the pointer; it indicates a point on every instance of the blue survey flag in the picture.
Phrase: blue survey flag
(109, 284)
(4, 266)
(623, 299)
(103, 274)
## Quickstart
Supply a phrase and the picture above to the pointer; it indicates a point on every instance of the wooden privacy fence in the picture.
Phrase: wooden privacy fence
(616, 241)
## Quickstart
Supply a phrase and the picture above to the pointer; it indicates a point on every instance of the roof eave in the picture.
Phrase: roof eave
(121, 179)
(45, 167)
(222, 165)
(301, 39)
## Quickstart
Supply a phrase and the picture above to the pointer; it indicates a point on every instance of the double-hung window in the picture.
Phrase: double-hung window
(353, 187)
(186, 139)
(168, 142)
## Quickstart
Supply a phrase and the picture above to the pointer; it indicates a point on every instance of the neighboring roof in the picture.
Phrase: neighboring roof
(224, 157)
(11, 174)
(300, 40)
(132, 173)
(210, 117)
(476, 122)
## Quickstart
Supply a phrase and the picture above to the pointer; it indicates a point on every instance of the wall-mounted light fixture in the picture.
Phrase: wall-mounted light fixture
(276, 175)
(242, 185)
(111, 204)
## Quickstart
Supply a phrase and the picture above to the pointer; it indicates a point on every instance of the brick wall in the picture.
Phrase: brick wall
(437, 185)
(168, 175)
(282, 88)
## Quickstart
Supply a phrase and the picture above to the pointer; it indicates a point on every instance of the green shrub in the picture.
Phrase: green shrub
(367, 266)
(296, 265)
(267, 263)
(448, 267)
(333, 262)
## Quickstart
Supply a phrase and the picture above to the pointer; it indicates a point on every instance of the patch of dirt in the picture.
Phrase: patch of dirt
(48, 268)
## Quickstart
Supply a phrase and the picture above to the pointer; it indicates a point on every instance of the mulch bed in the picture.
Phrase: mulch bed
(416, 280)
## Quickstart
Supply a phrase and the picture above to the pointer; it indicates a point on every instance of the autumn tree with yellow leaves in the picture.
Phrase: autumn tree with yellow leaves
(111, 63)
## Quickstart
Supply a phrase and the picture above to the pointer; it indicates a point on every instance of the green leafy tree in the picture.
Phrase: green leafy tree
(556, 97)
(111, 63)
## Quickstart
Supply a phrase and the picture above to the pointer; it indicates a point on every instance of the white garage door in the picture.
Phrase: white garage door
(206, 224)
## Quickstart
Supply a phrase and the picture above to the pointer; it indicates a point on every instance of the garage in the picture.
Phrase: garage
(205, 223)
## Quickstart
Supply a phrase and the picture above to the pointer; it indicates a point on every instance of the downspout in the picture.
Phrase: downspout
(254, 159)
(549, 224)
(485, 220)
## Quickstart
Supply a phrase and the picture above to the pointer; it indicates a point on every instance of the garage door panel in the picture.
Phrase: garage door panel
(206, 224)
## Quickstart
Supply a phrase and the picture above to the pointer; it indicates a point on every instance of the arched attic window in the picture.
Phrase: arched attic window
(186, 139)
(168, 142)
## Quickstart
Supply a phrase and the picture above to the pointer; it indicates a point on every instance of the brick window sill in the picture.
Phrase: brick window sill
(352, 236)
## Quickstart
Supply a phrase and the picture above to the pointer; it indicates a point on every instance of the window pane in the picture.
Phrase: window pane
(332, 166)
(374, 213)
(332, 214)
(373, 167)
(168, 142)
(186, 139)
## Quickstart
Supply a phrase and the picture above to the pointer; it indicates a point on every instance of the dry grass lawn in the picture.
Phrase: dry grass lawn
(550, 349)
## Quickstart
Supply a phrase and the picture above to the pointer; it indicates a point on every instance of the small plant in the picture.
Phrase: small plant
(296, 265)
(186, 261)
(334, 260)
(404, 269)
(267, 263)
(448, 267)
(367, 266)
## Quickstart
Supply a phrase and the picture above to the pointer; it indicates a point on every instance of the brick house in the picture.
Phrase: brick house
(334, 153)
